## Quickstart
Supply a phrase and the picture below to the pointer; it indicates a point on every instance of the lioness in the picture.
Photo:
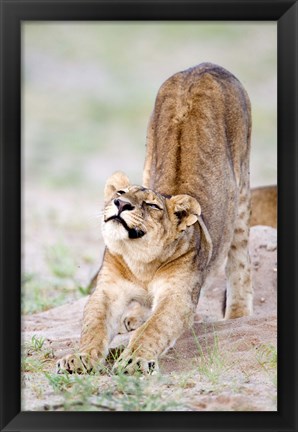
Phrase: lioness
(264, 206)
(165, 239)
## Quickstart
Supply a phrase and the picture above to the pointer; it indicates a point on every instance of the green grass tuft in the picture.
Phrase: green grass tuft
(37, 343)
(266, 355)
(123, 393)
(210, 363)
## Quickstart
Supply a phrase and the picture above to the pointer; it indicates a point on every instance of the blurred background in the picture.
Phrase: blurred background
(87, 93)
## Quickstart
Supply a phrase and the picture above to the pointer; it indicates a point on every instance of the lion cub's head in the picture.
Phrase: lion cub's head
(143, 218)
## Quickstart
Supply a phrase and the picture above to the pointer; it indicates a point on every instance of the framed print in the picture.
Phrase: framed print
(198, 337)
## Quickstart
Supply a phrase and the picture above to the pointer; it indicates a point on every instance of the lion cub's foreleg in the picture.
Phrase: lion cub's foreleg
(172, 313)
(239, 300)
(101, 321)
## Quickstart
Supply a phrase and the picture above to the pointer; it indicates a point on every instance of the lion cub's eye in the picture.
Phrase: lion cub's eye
(120, 192)
(152, 205)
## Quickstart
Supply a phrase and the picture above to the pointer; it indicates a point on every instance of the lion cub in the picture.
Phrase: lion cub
(165, 239)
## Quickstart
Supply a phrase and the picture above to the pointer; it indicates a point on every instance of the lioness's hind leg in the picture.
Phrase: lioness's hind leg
(239, 300)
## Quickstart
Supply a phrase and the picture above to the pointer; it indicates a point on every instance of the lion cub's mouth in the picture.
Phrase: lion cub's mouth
(133, 233)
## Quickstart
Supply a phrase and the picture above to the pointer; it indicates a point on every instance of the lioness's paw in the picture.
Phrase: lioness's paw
(75, 363)
(130, 365)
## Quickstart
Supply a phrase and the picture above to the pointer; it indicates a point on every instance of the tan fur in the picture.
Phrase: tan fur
(177, 229)
(264, 206)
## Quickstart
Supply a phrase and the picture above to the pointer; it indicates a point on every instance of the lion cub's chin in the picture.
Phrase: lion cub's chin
(113, 232)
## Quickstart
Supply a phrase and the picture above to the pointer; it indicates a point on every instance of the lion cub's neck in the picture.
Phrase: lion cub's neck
(140, 264)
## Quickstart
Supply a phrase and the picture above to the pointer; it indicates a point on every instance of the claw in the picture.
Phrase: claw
(129, 365)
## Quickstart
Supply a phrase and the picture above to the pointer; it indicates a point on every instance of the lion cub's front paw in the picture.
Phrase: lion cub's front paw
(76, 363)
(130, 365)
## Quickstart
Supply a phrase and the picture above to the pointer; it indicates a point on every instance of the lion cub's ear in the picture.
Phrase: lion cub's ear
(117, 181)
(187, 209)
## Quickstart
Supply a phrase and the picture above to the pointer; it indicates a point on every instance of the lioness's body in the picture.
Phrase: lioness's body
(264, 206)
(165, 239)
(199, 143)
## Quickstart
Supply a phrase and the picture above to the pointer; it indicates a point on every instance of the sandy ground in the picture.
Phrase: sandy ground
(217, 365)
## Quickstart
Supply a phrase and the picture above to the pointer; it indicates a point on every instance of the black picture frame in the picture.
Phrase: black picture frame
(13, 13)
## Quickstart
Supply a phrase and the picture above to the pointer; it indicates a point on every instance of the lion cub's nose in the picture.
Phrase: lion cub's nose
(123, 205)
